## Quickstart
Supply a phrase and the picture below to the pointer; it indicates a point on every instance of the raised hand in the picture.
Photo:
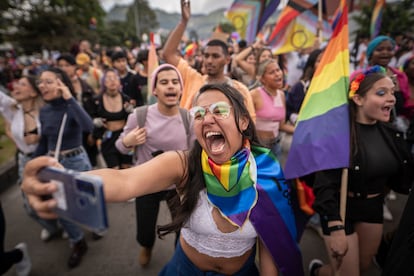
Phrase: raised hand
(64, 90)
(185, 10)
(136, 137)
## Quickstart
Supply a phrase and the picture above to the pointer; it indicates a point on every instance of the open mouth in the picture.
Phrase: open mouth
(215, 141)
(387, 109)
(171, 95)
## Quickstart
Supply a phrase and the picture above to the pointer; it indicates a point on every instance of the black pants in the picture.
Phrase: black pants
(147, 208)
(7, 259)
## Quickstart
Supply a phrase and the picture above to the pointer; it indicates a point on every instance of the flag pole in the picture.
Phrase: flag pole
(342, 203)
(344, 193)
(320, 21)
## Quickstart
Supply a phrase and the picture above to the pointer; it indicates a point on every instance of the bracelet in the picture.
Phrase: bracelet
(335, 228)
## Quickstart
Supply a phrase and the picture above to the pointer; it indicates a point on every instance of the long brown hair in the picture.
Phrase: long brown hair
(364, 86)
(184, 206)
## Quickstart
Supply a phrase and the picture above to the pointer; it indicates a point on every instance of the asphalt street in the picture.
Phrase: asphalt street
(116, 253)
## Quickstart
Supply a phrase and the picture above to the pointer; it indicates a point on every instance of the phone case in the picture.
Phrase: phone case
(80, 197)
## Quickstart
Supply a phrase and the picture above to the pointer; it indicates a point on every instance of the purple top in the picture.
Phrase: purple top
(164, 133)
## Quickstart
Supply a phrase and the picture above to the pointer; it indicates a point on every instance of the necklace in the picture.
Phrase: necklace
(272, 94)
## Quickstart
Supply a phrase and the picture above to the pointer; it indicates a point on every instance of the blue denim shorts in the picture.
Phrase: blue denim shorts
(181, 265)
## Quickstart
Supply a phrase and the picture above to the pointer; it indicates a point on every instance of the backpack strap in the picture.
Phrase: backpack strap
(185, 116)
(141, 115)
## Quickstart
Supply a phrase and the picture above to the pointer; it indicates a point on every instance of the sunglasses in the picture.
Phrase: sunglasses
(219, 110)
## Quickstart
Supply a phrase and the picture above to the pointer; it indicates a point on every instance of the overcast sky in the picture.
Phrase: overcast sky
(197, 6)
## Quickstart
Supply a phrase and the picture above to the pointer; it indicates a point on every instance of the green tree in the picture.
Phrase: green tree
(397, 16)
(53, 24)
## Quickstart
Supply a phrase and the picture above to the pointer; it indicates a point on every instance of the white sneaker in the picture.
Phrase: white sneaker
(387, 213)
(45, 235)
(25, 265)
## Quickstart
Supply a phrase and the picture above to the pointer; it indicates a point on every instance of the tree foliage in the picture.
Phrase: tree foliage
(397, 17)
(52, 24)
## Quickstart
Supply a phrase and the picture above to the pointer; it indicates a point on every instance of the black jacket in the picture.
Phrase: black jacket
(327, 183)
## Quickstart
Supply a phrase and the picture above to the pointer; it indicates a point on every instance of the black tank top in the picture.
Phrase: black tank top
(112, 116)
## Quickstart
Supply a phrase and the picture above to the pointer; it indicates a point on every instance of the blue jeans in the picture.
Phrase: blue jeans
(49, 224)
(79, 162)
(181, 265)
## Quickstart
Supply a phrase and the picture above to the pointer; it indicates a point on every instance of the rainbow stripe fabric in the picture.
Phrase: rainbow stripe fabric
(252, 186)
(296, 27)
(244, 15)
(376, 18)
(268, 8)
(321, 139)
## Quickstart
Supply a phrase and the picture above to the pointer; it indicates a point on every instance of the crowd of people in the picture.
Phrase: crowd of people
(232, 109)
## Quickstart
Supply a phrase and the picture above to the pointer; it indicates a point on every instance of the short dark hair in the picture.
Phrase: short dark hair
(118, 55)
(242, 44)
(220, 43)
(142, 55)
(69, 58)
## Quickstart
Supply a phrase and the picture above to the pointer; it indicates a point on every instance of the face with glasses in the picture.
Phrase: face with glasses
(215, 125)
(48, 85)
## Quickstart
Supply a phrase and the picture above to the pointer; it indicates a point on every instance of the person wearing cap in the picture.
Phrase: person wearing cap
(215, 59)
(162, 119)
(88, 73)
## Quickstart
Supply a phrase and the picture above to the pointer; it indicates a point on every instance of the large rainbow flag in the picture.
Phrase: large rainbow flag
(321, 138)
(376, 18)
(296, 27)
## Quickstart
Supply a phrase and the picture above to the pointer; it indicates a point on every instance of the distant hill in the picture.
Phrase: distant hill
(200, 23)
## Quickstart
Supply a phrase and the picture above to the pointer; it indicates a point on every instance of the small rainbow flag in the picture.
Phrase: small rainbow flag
(376, 18)
(321, 138)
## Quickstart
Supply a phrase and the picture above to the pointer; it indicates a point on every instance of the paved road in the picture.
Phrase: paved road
(116, 253)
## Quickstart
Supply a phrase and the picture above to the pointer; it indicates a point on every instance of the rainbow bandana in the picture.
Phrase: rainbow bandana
(252, 186)
(230, 186)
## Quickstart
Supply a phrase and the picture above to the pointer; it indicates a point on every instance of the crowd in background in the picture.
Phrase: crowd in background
(108, 83)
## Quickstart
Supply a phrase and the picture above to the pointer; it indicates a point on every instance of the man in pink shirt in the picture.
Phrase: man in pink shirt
(154, 137)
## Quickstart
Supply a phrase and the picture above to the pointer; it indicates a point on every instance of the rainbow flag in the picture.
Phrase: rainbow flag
(244, 15)
(297, 27)
(321, 139)
(253, 187)
(376, 18)
(268, 7)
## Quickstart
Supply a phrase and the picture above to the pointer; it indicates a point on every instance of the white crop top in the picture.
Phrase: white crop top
(201, 232)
